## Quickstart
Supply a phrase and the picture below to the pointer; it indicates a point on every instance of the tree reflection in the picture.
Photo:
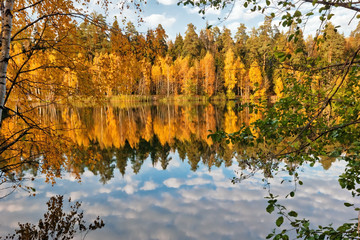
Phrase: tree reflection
(57, 224)
(105, 138)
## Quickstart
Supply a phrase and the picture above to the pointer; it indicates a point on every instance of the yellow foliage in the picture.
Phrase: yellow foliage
(207, 66)
(279, 87)
(256, 80)
(229, 73)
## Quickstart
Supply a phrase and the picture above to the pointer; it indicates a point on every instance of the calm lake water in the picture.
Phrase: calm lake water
(160, 177)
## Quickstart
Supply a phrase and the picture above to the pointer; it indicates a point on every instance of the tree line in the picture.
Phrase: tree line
(108, 61)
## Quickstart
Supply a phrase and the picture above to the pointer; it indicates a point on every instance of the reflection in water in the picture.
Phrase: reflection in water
(107, 136)
(193, 199)
(116, 135)
(182, 204)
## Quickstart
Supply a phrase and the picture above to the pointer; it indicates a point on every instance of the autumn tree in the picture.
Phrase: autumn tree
(168, 72)
(240, 75)
(229, 74)
(181, 69)
(191, 83)
(256, 80)
(207, 65)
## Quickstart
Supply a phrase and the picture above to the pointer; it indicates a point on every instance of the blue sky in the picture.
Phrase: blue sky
(175, 18)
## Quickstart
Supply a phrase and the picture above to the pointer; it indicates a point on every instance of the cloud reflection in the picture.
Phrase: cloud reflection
(179, 204)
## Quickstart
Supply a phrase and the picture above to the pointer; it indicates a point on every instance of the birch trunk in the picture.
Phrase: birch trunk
(6, 26)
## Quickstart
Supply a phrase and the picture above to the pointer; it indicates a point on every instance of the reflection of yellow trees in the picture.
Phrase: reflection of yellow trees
(168, 124)
(38, 147)
(208, 123)
(111, 135)
(164, 127)
(148, 131)
(231, 124)
(100, 138)
(73, 122)
(231, 120)
(112, 127)
(253, 117)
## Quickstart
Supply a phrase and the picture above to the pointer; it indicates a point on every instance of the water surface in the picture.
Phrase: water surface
(158, 176)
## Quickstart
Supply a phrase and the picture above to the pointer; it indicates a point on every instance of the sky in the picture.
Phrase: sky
(175, 19)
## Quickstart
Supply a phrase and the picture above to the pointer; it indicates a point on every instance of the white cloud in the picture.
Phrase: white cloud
(129, 189)
(233, 27)
(173, 183)
(197, 181)
(105, 190)
(213, 11)
(167, 2)
(50, 194)
(78, 195)
(192, 10)
(209, 11)
(155, 19)
(149, 185)
(14, 208)
(240, 12)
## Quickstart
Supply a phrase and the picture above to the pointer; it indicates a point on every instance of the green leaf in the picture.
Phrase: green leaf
(330, 16)
(269, 236)
(297, 14)
(290, 37)
(292, 194)
(270, 208)
(348, 204)
(293, 214)
(279, 221)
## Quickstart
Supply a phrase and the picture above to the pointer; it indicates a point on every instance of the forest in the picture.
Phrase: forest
(109, 61)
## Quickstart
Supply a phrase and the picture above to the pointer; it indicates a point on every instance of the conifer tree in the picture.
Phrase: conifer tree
(191, 42)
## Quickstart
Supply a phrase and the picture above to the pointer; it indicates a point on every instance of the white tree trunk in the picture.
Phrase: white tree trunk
(6, 26)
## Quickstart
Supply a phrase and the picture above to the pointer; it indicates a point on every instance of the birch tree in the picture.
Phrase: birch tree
(6, 8)
(39, 26)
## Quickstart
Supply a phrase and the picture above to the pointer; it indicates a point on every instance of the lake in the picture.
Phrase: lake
(151, 172)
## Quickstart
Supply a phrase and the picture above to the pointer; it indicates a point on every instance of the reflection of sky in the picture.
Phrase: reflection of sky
(180, 204)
